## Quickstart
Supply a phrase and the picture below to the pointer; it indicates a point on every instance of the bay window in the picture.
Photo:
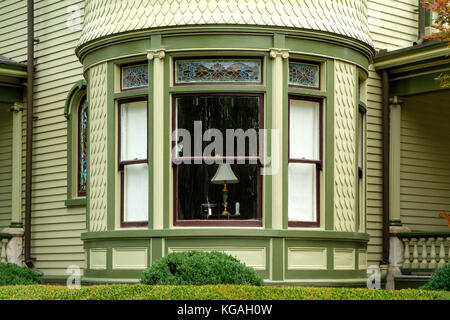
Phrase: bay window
(217, 178)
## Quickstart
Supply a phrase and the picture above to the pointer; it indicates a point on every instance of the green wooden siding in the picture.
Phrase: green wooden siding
(56, 229)
(5, 165)
(425, 162)
(393, 25)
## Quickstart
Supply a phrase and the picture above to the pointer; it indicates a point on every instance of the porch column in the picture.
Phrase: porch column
(14, 246)
(396, 246)
(394, 185)
(278, 55)
(158, 136)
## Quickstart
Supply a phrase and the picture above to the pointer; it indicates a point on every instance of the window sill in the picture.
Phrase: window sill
(77, 202)
(218, 223)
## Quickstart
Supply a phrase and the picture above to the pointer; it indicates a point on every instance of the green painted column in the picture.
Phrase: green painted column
(277, 144)
(16, 201)
(394, 170)
(158, 136)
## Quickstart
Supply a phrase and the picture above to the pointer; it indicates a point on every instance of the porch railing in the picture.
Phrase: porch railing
(4, 238)
(425, 251)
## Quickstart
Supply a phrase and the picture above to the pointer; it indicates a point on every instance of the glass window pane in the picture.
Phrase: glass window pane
(135, 199)
(201, 199)
(135, 76)
(221, 113)
(82, 148)
(360, 140)
(218, 70)
(133, 131)
(302, 192)
(304, 74)
(304, 130)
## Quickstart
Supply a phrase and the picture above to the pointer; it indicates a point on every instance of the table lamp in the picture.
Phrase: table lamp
(224, 175)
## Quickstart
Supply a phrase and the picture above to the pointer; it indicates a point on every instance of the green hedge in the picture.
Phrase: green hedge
(11, 274)
(440, 280)
(200, 268)
(211, 292)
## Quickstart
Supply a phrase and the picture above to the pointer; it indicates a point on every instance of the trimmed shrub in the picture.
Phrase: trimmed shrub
(12, 274)
(440, 280)
(199, 268)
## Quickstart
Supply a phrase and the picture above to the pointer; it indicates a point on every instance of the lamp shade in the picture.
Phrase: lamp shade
(224, 175)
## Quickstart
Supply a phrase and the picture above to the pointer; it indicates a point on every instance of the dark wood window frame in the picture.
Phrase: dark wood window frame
(122, 164)
(79, 193)
(319, 80)
(318, 163)
(216, 223)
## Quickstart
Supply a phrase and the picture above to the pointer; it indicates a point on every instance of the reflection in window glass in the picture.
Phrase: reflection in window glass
(82, 148)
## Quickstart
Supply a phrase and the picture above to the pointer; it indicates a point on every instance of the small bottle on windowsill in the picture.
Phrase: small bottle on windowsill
(237, 213)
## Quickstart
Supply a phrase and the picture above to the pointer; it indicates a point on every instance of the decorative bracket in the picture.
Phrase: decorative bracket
(16, 107)
(395, 101)
(160, 54)
(283, 53)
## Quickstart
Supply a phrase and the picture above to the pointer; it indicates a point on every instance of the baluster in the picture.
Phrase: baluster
(441, 252)
(424, 263)
(3, 252)
(433, 263)
(407, 261)
(415, 263)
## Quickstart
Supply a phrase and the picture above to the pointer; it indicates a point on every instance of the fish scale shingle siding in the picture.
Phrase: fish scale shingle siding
(56, 229)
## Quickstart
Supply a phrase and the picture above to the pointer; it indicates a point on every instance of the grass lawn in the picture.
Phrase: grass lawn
(218, 292)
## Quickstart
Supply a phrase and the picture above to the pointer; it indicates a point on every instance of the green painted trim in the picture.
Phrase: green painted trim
(15, 224)
(223, 37)
(168, 185)
(131, 94)
(329, 146)
(277, 259)
(72, 102)
(150, 144)
(11, 94)
(396, 223)
(423, 234)
(224, 232)
(4, 235)
(216, 88)
(416, 85)
(285, 149)
(75, 202)
(414, 54)
(88, 196)
(268, 124)
(12, 71)
(76, 89)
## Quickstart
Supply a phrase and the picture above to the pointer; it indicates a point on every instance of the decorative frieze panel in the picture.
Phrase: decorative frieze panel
(345, 147)
(344, 17)
(98, 148)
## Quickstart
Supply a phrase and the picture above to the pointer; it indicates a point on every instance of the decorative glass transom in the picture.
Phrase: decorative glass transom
(218, 70)
(135, 76)
(304, 74)
(82, 140)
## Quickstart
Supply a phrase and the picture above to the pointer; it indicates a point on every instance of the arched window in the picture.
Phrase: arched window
(82, 147)
(76, 112)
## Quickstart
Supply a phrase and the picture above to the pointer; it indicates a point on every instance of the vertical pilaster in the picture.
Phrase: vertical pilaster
(277, 125)
(394, 170)
(157, 56)
(16, 201)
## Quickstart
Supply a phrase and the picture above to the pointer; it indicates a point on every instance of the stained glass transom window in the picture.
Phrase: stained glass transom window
(82, 147)
(135, 76)
(304, 74)
(218, 70)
